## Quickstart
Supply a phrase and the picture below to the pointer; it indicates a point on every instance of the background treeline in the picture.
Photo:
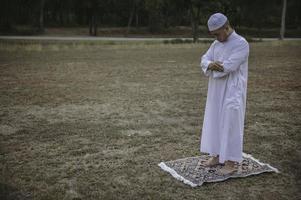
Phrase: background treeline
(155, 16)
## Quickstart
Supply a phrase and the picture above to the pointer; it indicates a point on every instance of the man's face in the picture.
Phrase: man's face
(220, 34)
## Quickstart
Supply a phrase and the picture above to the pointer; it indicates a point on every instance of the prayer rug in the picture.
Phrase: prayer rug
(191, 172)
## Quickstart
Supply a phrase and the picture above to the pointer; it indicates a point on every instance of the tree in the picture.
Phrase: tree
(200, 10)
(7, 13)
(155, 21)
(93, 17)
(254, 16)
(282, 29)
(41, 17)
(195, 11)
(133, 11)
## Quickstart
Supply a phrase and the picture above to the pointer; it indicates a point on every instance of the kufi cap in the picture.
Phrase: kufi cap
(216, 21)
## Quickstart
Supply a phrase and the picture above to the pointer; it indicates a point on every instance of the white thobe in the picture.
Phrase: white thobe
(223, 126)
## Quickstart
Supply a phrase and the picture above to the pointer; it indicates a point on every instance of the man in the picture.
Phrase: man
(226, 64)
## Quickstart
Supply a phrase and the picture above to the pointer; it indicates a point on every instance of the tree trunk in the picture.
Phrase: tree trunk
(95, 24)
(41, 17)
(131, 17)
(93, 17)
(90, 27)
(90, 23)
(194, 22)
(282, 29)
(197, 24)
(137, 20)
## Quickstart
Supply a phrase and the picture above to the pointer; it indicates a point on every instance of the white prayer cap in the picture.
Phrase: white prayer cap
(216, 21)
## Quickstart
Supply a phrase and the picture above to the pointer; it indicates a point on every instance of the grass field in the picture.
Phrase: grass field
(84, 121)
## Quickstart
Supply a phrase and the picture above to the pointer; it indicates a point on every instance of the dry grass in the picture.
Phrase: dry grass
(81, 121)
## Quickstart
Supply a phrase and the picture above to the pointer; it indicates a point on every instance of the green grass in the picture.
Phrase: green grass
(92, 121)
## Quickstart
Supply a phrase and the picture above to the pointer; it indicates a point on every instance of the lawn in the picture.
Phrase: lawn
(92, 121)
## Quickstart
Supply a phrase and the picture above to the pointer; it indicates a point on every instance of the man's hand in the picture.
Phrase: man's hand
(216, 66)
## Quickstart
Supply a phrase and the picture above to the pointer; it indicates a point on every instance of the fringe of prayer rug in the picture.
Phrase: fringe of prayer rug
(191, 172)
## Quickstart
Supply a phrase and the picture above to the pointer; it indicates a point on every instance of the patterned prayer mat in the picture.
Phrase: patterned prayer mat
(191, 172)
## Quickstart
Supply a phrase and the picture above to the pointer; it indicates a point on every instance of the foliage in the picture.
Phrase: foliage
(157, 15)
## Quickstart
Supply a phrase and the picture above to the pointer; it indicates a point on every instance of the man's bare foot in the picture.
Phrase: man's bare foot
(211, 161)
(229, 167)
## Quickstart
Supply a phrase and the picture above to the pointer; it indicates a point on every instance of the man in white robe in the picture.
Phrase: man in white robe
(226, 65)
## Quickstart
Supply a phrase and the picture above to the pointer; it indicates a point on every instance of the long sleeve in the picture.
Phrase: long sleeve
(238, 56)
(206, 59)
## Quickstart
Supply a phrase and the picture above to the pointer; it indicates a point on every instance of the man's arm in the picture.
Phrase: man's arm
(216, 66)
(207, 59)
(238, 56)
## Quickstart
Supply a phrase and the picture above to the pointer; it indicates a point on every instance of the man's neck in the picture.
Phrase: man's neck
(231, 30)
